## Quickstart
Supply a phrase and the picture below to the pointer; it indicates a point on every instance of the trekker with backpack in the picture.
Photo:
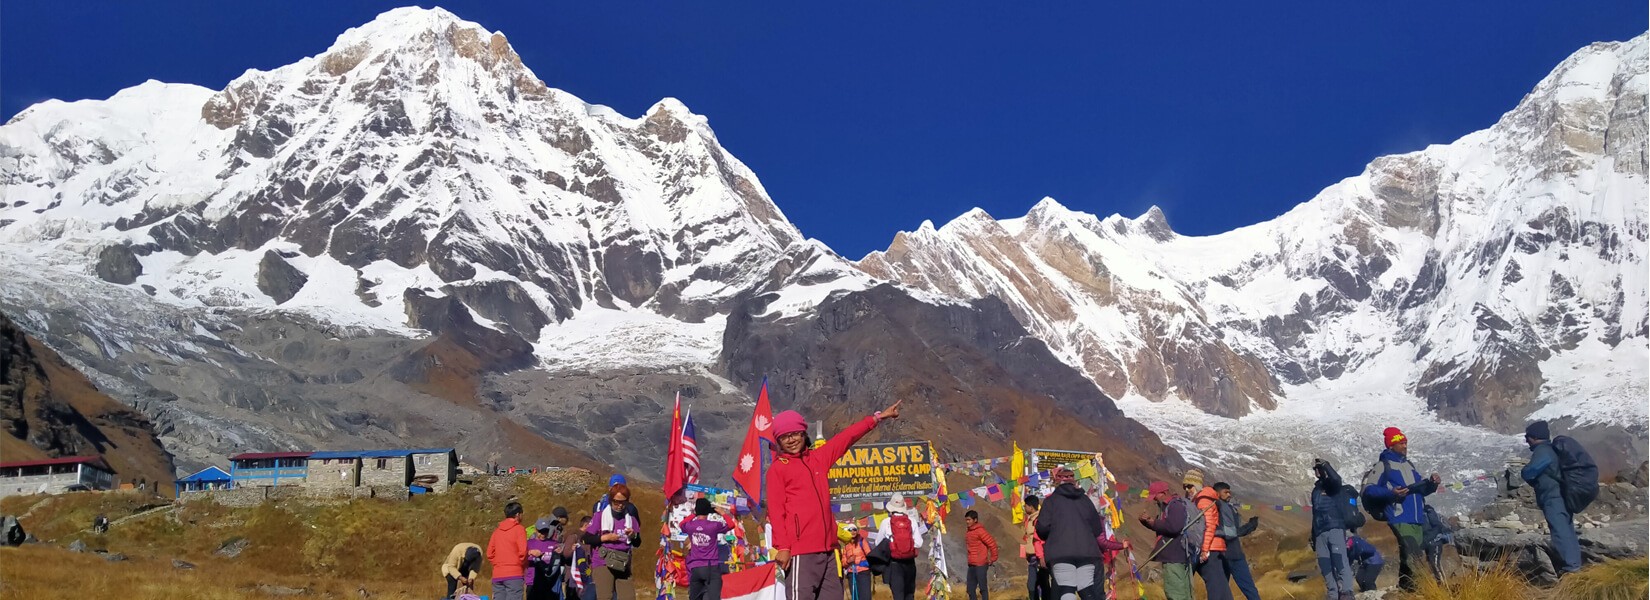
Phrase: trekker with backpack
(1397, 495)
(1211, 563)
(1237, 565)
(904, 532)
(1039, 582)
(1565, 481)
(1071, 527)
(613, 535)
(1329, 527)
(856, 563)
(799, 502)
(1175, 548)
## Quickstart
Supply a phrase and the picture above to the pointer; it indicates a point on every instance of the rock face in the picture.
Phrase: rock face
(49, 410)
(862, 350)
(278, 278)
(117, 264)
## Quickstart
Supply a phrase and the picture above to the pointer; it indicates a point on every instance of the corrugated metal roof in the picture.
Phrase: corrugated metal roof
(207, 474)
(361, 454)
(264, 455)
(96, 461)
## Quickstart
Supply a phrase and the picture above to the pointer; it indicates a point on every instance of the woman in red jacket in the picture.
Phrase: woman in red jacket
(799, 502)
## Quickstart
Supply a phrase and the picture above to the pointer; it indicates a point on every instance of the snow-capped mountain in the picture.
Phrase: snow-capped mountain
(416, 152)
(375, 227)
(1499, 275)
(412, 237)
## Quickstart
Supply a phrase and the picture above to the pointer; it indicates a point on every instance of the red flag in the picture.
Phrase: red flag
(761, 582)
(748, 468)
(673, 458)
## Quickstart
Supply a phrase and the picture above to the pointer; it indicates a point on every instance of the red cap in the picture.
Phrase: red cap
(1392, 436)
(1157, 487)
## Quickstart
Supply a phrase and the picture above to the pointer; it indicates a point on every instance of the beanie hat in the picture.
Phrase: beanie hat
(1393, 436)
(702, 507)
(1537, 431)
(1193, 477)
(789, 421)
(616, 479)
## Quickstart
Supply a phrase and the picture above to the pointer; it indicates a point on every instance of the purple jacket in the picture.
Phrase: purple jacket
(534, 563)
(623, 522)
(1169, 526)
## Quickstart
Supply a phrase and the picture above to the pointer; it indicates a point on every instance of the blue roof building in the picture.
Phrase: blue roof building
(210, 478)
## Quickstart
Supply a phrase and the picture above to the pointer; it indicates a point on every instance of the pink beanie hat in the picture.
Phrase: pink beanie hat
(789, 421)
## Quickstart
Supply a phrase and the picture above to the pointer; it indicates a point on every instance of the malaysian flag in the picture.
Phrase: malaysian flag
(690, 450)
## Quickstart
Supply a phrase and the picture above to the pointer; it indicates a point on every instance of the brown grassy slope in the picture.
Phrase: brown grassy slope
(49, 410)
(391, 548)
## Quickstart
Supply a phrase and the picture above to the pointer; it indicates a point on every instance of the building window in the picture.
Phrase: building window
(381, 463)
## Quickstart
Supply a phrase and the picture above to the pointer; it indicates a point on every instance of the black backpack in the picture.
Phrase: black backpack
(1577, 474)
(1347, 500)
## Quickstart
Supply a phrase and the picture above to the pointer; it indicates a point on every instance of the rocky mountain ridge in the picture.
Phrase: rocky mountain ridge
(410, 236)
(1492, 265)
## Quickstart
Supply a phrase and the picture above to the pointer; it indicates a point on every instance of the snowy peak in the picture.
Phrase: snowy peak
(1486, 265)
(417, 153)
(413, 31)
(1154, 225)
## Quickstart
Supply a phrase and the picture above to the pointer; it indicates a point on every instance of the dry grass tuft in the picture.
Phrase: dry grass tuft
(1625, 579)
(1501, 582)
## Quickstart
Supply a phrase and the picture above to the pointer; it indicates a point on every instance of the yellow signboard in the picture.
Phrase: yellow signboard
(877, 471)
(1044, 460)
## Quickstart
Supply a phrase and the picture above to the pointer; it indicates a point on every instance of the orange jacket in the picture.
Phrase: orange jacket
(982, 548)
(507, 549)
(854, 554)
(1207, 501)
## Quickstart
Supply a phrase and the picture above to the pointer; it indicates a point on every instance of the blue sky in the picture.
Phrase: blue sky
(865, 118)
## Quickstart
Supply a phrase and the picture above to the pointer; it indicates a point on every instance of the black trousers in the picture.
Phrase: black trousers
(976, 581)
(705, 583)
(1365, 576)
(1039, 581)
(901, 576)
